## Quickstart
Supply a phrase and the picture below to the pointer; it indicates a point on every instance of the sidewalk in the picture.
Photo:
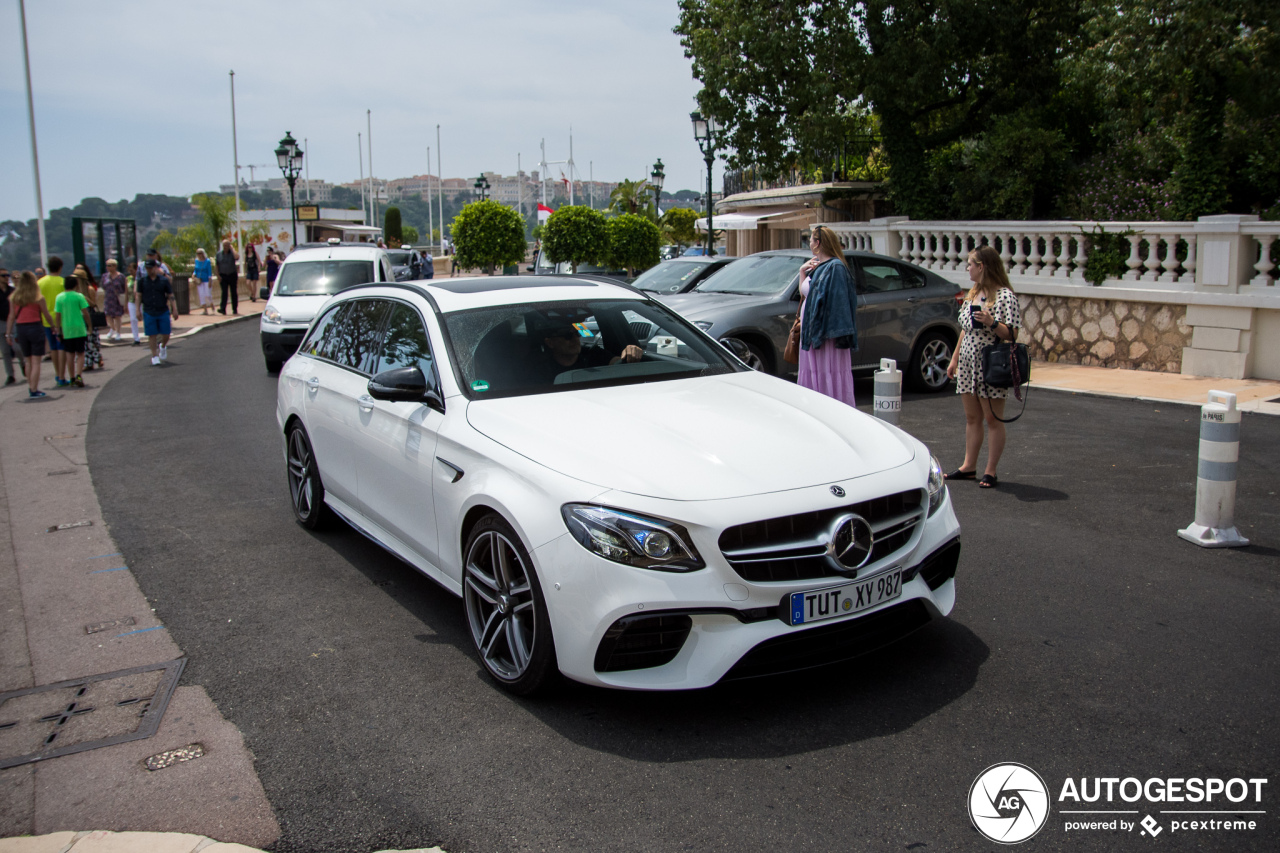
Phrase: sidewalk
(73, 613)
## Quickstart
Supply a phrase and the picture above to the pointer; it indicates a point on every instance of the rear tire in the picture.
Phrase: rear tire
(306, 491)
(510, 627)
(928, 369)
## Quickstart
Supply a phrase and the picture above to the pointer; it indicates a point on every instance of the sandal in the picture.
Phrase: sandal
(959, 474)
(988, 481)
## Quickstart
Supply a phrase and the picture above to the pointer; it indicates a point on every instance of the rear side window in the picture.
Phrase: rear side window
(882, 276)
(314, 343)
(352, 339)
(319, 277)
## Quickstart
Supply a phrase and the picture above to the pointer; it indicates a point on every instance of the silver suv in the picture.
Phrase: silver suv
(904, 312)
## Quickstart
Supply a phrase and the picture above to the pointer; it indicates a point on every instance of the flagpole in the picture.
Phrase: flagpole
(35, 157)
(440, 186)
(373, 198)
(235, 156)
(431, 231)
(360, 146)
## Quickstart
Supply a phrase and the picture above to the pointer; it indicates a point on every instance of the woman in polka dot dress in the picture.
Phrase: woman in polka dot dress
(989, 314)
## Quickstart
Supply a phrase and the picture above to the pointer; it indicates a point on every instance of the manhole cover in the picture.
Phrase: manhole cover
(85, 713)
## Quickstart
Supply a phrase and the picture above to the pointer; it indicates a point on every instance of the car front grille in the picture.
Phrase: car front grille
(829, 644)
(793, 547)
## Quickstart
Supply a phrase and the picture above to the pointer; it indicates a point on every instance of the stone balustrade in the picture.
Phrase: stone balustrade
(1216, 276)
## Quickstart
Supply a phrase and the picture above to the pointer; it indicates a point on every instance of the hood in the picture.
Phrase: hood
(694, 439)
(299, 309)
(695, 305)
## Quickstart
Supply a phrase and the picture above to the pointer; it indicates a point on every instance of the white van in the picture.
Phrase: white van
(308, 279)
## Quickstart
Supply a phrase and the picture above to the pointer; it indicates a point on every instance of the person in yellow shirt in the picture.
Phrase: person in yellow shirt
(51, 287)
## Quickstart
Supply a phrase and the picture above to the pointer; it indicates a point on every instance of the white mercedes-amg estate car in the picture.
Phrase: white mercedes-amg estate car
(614, 496)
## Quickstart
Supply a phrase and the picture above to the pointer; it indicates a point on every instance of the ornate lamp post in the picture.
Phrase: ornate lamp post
(289, 157)
(656, 177)
(482, 188)
(707, 132)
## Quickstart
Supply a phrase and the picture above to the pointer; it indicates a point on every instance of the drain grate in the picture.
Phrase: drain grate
(85, 713)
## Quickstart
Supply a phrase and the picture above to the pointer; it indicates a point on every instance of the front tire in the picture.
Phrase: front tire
(753, 356)
(306, 491)
(928, 369)
(273, 367)
(510, 628)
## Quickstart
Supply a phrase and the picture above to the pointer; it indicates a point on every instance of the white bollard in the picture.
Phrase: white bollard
(887, 396)
(1214, 526)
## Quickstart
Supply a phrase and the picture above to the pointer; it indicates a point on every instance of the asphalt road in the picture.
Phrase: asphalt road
(1087, 641)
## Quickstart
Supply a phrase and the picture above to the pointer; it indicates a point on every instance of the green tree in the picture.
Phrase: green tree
(575, 234)
(218, 223)
(628, 197)
(633, 243)
(679, 226)
(409, 234)
(391, 228)
(488, 234)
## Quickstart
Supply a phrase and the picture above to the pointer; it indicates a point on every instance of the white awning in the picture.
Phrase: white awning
(750, 221)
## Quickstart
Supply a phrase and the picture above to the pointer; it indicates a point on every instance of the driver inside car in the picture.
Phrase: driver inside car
(562, 350)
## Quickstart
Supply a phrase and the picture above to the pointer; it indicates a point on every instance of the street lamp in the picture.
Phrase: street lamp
(289, 157)
(707, 132)
(656, 177)
(482, 188)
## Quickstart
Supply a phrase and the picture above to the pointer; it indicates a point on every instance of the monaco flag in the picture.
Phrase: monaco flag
(544, 212)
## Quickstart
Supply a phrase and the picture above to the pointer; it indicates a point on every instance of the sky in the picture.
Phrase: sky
(134, 96)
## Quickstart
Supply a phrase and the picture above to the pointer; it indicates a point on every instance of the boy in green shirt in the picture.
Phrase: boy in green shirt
(71, 321)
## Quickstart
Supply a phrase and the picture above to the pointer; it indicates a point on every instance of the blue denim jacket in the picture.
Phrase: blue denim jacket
(831, 308)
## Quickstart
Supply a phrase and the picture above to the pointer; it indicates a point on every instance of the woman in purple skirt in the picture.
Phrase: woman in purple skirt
(828, 318)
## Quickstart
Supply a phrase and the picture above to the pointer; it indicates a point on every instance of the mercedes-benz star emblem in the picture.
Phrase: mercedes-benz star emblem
(849, 547)
(837, 491)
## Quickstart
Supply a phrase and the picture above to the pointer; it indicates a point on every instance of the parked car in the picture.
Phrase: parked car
(307, 279)
(904, 312)
(678, 275)
(695, 251)
(400, 270)
(542, 265)
(601, 502)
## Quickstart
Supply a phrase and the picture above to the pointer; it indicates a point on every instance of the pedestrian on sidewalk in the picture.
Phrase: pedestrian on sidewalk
(6, 348)
(155, 294)
(204, 272)
(93, 345)
(828, 319)
(114, 287)
(273, 270)
(989, 314)
(251, 271)
(51, 286)
(25, 328)
(228, 275)
(132, 301)
(72, 321)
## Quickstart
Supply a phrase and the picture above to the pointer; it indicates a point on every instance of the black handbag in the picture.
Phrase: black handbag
(1007, 365)
(99, 318)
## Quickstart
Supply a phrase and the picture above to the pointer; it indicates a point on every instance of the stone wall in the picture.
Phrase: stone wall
(1105, 332)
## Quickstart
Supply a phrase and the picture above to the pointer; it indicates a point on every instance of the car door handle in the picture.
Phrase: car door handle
(913, 299)
(365, 402)
(314, 382)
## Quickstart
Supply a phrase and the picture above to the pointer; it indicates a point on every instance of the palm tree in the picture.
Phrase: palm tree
(628, 197)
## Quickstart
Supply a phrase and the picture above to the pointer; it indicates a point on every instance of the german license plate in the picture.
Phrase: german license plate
(816, 605)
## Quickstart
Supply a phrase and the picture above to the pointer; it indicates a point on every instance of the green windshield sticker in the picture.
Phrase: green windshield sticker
(479, 385)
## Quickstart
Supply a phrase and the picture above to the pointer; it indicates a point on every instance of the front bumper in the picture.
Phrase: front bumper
(280, 342)
(633, 628)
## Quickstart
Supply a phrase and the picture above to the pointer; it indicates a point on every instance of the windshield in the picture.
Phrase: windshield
(514, 350)
(315, 278)
(757, 275)
(670, 277)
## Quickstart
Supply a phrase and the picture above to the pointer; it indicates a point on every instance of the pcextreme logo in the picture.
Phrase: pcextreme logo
(1009, 803)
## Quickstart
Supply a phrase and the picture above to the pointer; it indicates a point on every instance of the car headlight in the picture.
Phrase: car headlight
(937, 485)
(630, 539)
(271, 314)
(704, 325)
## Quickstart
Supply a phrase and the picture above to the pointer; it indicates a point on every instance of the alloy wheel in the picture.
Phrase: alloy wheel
(303, 485)
(935, 356)
(500, 605)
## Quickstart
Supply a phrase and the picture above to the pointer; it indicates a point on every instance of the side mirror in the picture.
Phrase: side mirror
(404, 385)
(738, 348)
